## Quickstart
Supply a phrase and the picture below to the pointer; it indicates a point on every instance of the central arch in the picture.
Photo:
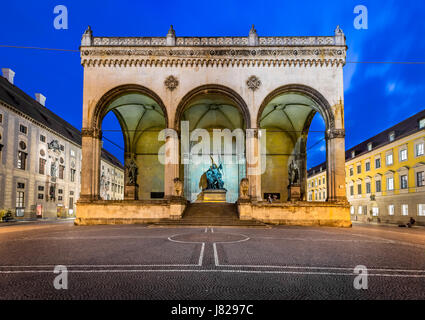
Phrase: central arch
(213, 107)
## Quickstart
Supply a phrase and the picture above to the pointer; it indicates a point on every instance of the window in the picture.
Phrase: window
(359, 169)
(40, 196)
(367, 166)
(1, 118)
(391, 210)
(369, 146)
(378, 186)
(404, 209)
(390, 184)
(23, 129)
(41, 166)
(42, 138)
(360, 210)
(60, 191)
(71, 193)
(353, 154)
(72, 175)
(320, 182)
(421, 123)
(323, 180)
(62, 147)
(72, 153)
(368, 187)
(389, 159)
(40, 188)
(420, 149)
(61, 170)
(22, 159)
(377, 163)
(352, 190)
(359, 189)
(20, 199)
(403, 182)
(351, 171)
(403, 155)
(421, 210)
(352, 209)
(20, 185)
(375, 211)
(391, 136)
(420, 179)
(59, 198)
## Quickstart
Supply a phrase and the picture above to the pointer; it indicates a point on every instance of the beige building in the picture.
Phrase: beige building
(385, 175)
(40, 158)
(268, 88)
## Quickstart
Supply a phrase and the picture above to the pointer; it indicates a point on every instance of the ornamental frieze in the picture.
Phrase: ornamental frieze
(255, 52)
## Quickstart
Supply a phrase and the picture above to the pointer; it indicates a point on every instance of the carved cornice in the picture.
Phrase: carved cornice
(254, 56)
(335, 133)
(91, 132)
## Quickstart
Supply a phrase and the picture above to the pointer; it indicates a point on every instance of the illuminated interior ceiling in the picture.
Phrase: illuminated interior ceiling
(137, 114)
(210, 111)
(289, 113)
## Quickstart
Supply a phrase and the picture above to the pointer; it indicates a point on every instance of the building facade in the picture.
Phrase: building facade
(266, 88)
(385, 175)
(40, 158)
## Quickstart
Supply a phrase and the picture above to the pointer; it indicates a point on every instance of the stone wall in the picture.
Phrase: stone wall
(128, 212)
(297, 214)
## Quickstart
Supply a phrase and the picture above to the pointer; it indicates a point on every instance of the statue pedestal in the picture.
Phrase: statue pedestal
(212, 195)
(294, 192)
(131, 192)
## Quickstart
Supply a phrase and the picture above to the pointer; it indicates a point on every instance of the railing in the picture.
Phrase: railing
(214, 41)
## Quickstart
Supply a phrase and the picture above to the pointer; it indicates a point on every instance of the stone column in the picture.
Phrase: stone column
(253, 163)
(302, 165)
(90, 167)
(335, 159)
(171, 165)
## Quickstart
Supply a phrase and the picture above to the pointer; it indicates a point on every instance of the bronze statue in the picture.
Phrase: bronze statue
(132, 172)
(294, 174)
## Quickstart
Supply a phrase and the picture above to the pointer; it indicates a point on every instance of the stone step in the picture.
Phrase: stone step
(211, 214)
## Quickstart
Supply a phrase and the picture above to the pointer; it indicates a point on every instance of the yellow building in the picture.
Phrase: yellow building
(316, 184)
(385, 175)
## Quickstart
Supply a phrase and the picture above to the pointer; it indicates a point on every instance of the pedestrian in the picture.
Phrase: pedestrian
(269, 199)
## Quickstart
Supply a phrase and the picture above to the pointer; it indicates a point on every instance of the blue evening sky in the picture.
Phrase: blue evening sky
(377, 96)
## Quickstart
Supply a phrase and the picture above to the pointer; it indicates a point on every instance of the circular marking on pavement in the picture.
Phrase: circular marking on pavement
(216, 237)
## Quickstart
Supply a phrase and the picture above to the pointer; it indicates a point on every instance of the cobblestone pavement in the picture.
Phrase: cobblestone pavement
(142, 262)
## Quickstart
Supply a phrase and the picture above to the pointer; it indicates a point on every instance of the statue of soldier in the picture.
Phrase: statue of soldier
(294, 174)
(132, 172)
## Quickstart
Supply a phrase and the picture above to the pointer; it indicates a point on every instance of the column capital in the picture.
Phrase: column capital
(252, 132)
(335, 133)
(91, 132)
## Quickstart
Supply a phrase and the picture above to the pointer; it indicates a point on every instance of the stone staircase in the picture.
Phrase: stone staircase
(211, 214)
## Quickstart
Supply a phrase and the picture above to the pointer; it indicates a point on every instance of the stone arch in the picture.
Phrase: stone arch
(324, 107)
(111, 95)
(213, 88)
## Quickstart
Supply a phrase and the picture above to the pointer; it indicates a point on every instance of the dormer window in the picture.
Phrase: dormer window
(353, 154)
(369, 146)
(422, 123)
(391, 136)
